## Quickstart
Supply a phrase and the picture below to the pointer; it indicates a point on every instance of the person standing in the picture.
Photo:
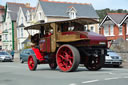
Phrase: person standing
(12, 53)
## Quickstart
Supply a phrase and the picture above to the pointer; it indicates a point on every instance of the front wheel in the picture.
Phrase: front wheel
(68, 58)
(32, 63)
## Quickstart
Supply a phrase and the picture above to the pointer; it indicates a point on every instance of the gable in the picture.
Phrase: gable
(21, 17)
(8, 17)
(115, 18)
(39, 10)
(71, 8)
(13, 9)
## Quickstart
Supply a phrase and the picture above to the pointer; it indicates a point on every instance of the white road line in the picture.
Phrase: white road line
(112, 78)
(126, 77)
(73, 84)
(110, 73)
(85, 82)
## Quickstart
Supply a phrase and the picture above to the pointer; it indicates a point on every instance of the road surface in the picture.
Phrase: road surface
(14, 73)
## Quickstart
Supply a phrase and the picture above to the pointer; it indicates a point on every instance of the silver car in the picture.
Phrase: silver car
(5, 56)
(113, 58)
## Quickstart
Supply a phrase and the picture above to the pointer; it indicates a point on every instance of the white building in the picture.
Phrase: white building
(24, 19)
(9, 36)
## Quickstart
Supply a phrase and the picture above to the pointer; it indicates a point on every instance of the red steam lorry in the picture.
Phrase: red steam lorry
(67, 44)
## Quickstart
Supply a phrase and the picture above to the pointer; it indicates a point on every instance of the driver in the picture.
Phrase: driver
(35, 39)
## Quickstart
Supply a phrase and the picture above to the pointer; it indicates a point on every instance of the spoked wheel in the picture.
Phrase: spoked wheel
(95, 63)
(52, 62)
(32, 63)
(68, 58)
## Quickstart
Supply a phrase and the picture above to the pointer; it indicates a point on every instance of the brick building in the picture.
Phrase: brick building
(114, 26)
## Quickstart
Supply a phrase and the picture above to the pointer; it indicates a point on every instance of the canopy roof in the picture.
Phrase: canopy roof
(84, 21)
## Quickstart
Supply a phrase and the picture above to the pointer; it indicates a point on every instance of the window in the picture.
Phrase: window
(92, 28)
(120, 30)
(111, 29)
(40, 15)
(106, 30)
(21, 32)
(85, 27)
(18, 33)
(72, 14)
(0, 38)
(70, 28)
(6, 37)
(0, 47)
(21, 19)
(28, 17)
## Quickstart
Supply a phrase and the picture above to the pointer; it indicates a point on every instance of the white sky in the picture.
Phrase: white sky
(97, 4)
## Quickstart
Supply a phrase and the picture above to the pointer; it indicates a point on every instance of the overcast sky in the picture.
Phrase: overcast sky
(97, 4)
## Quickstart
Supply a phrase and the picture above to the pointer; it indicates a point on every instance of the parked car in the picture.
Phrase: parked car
(25, 54)
(5, 56)
(113, 58)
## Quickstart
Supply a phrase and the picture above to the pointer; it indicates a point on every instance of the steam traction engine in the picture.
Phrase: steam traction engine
(67, 44)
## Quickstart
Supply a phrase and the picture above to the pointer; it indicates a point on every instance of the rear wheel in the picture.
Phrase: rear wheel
(32, 63)
(95, 63)
(68, 58)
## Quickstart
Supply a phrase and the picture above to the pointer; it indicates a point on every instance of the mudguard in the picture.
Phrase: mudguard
(38, 54)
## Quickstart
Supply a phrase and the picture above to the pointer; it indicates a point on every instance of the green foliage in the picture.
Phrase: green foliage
(102, 13)
(26, 46)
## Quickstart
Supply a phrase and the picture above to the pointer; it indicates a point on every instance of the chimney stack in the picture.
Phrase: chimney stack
(27, 4)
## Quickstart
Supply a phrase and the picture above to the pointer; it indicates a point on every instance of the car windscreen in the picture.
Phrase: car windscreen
(31, 51)
(3, 53)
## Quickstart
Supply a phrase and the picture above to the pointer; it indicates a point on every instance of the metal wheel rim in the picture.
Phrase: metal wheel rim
(94, 63)
(31, 63)
(65, 58)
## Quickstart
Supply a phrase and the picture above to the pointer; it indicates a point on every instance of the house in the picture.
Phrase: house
(1, 21)
(47, 11)
(25, 18)
(114, 26)
(9, 34)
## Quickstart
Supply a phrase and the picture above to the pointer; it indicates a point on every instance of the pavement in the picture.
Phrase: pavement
(16, 57)
(125, 64)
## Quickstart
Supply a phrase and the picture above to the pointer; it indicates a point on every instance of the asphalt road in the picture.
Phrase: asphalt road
(14, 73)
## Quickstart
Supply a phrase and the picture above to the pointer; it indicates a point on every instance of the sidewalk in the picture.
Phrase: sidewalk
(16, 57)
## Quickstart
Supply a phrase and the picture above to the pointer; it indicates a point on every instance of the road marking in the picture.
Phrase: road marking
(112, 78)
(85, 82)
(110, 73)
(73, 84)
(126, 77)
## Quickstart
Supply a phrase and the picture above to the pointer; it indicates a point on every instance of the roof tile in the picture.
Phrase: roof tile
(117, 17)
(53, 8)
